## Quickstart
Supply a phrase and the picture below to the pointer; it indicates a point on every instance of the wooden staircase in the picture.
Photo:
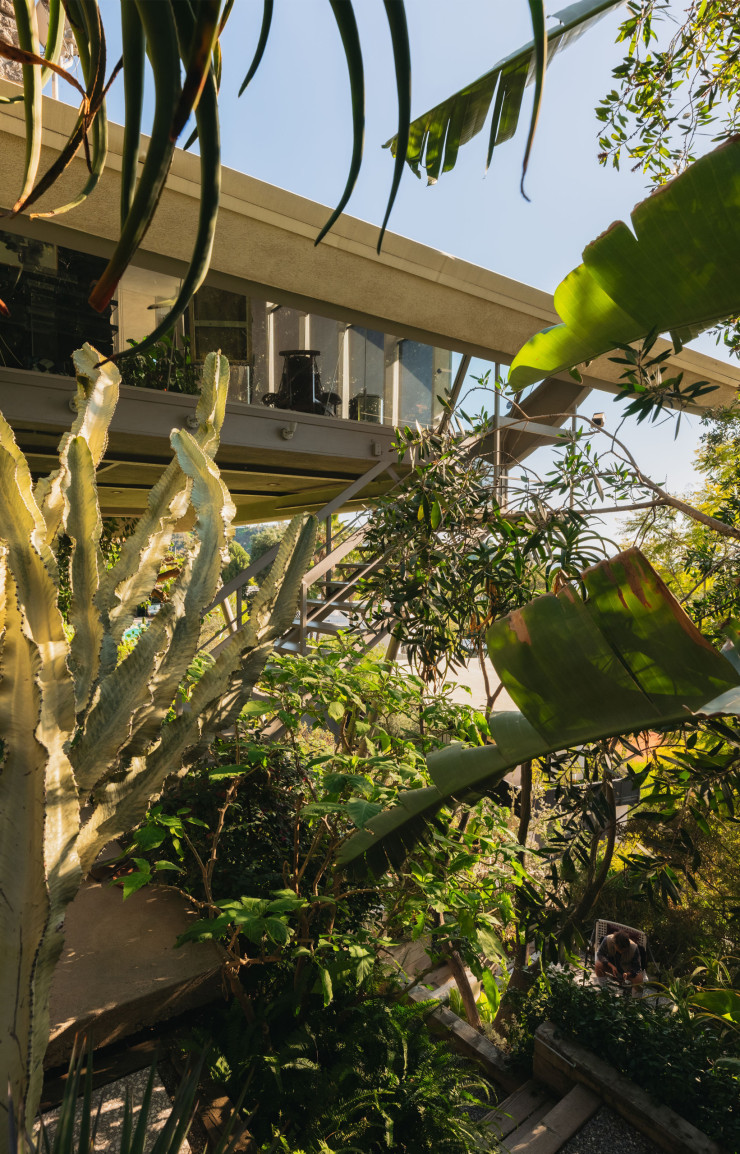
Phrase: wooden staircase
(533, 1120)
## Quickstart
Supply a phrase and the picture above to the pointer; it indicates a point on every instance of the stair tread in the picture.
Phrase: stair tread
(520, 1107)
(551, 1131)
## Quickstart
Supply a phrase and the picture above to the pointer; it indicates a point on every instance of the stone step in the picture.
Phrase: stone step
(527, 1104)
(547, 1134)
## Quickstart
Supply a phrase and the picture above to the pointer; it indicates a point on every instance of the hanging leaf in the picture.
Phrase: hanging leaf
(436, 137)
(626, 658)
(673, 271)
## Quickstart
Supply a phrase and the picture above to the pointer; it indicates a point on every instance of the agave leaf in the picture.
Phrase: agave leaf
(206, 117)
(198, 34)
(28, 39)
(90, 41)
(134, 59)
(396, 16)
(132, 578)
(267, 10)
(52, 50)
(437, 136)
(347, 24)
(162, 48)
(624, 659)
(84, 525)
(672, 272)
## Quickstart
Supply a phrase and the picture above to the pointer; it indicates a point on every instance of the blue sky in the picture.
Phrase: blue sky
(292, 128)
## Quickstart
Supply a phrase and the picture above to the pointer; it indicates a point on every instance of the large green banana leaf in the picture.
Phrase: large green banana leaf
(623, 659)
(436, 136)
(674, 271)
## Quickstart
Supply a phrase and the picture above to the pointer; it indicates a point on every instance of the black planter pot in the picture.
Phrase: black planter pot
(300, 385)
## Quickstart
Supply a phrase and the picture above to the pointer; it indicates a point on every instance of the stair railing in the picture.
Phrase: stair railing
(235, 617)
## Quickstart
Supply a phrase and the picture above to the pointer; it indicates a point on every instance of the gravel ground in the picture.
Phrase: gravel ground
(108, 1138)
(608, 1131)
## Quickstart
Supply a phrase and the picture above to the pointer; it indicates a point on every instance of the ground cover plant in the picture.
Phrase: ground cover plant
(682, 1059)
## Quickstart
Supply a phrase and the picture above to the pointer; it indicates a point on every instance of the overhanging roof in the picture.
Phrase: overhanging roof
(265, 240)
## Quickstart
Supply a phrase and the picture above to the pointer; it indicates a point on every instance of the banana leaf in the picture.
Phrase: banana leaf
(437, 136)
(624, 658)
(673, 271)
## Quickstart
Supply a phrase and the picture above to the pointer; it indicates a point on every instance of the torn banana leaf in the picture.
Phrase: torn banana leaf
(674, 271)
(623, 659)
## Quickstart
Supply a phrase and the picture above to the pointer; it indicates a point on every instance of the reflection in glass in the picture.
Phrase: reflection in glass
(45, 288)
(326, 335)
(375, 377)
(425, 374)
(219, 321)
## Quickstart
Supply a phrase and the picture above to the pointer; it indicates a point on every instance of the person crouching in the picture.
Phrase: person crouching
(618, 957)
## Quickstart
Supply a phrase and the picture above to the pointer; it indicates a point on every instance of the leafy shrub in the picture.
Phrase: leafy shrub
(363, 1075)
(674, 1060)
(238, 562)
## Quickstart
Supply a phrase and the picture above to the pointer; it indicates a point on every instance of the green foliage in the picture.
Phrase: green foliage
(436, 137)
(647, 278)
(238, 561)
(455, 560)
(361, 1075)
(678, 85)
(75, 1131)
(678, 1061)
(260, 823)
(167, 365)
(701, 566)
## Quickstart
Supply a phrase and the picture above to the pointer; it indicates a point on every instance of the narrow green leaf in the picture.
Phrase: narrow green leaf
(347, 24)
(267, 10)
(396, 16)
(537, 13)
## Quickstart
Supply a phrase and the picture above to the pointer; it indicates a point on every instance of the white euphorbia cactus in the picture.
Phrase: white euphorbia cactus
(77, 726)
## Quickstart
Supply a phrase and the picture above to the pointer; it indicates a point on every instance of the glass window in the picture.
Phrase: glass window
(220, 320)
(45, 288)
(143, 300)
(284, 333)
(326, 336)
(417, 371)
(259, 374)
(367, 372)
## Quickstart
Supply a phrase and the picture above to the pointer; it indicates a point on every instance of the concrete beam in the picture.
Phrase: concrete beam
(265, 244)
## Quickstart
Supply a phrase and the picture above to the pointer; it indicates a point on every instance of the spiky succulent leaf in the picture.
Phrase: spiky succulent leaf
(194, 589)
(132, 578)
(84, 526)
(219, 696)
(96, 400)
